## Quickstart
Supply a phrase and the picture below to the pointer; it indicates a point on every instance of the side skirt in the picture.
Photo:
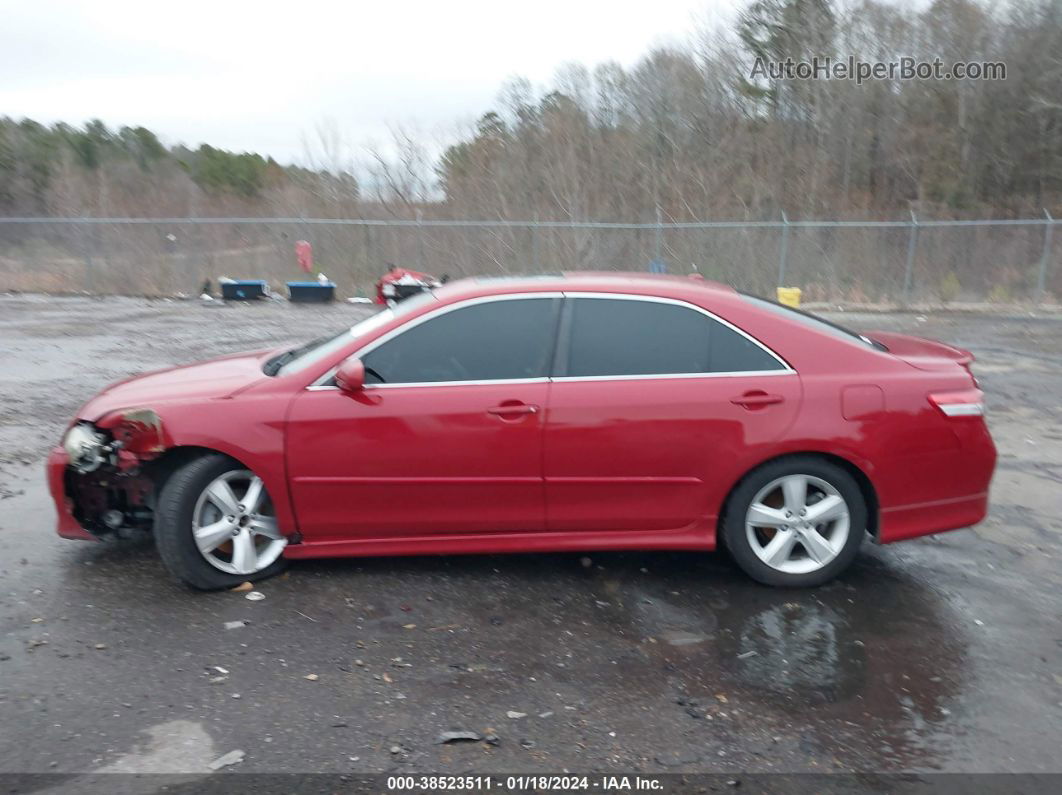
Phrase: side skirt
(700, 536)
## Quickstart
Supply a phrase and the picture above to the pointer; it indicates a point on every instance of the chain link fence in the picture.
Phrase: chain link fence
(914, 260)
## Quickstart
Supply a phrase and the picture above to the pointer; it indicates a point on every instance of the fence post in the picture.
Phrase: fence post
(658, 236)
(370, 261)
(912, 245)
(171, 257)
(420, 240)
(1041, 280)
(533, 229)
(87, 244)
(783, 252)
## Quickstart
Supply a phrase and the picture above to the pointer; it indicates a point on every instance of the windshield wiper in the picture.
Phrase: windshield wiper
(272, 367)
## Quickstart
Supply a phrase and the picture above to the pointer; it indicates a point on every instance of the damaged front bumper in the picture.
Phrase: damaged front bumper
(106, 491)
(67, 526)
(105, 502)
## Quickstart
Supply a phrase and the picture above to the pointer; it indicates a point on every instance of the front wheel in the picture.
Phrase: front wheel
(796, 522)
(215, 526)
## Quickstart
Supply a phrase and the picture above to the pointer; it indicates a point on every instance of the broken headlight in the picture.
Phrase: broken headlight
(86, 447)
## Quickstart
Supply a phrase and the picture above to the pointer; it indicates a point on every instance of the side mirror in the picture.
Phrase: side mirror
(350, 377)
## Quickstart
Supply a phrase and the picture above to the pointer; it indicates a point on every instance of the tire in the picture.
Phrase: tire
(801, 551)
(183, 495)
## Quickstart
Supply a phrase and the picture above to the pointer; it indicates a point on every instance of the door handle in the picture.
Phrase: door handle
(516, 408)
(752, 400)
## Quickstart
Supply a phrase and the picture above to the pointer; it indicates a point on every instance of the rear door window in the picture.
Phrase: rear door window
(623, 337)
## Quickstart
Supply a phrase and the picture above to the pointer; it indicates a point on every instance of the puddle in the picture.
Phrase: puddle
(802, 652)
(873, 661)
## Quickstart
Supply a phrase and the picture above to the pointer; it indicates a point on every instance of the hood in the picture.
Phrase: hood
(216, 378)
(921, 353)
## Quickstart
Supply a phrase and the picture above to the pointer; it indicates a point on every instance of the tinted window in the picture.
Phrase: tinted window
(313, 352)
(734, 353)
(623, 337)
(482, 342)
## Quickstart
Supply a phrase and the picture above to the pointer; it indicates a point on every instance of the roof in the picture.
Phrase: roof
(630, 282)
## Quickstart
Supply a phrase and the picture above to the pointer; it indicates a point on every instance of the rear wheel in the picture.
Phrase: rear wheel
(215, 525)
(795, 522)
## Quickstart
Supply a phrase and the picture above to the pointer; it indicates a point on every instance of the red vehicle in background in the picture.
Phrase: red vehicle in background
(401, 283)
(579, 412)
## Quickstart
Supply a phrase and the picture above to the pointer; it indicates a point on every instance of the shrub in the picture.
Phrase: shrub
(949, 288)
(1000, 294)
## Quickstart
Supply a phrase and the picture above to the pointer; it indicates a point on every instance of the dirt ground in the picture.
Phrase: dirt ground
(940, 654)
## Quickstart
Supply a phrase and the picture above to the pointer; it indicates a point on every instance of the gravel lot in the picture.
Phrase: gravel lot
(941, 654)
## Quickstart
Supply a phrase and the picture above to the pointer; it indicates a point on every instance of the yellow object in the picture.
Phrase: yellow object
(789, 296)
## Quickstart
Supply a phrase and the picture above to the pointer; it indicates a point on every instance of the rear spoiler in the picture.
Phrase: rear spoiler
(921, 353)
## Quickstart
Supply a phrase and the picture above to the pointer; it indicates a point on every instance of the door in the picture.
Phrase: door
(653, 405)
(446, 436)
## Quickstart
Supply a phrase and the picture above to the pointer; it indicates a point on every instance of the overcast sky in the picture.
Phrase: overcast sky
(261, 76)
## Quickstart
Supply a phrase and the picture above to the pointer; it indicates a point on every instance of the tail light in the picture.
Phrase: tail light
(960, 403)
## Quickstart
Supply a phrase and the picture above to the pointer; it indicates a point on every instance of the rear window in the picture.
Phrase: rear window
(812, 322)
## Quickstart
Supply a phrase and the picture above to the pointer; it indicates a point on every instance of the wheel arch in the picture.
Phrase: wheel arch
(274, 474)
(866, 486)
(160, 469)
(185, 475)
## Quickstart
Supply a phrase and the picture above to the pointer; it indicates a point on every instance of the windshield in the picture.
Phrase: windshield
(811, 321)
(297, 359)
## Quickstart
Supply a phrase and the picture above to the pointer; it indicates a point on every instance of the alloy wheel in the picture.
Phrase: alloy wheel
(797, 524)
(234, 524)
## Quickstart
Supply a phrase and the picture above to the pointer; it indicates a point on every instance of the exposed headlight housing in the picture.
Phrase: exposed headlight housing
(85, 447)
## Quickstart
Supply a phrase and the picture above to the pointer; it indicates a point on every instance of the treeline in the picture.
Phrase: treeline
(65, 170)
(689, 130)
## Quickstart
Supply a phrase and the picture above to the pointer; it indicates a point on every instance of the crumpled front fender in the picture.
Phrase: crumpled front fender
(141, 433)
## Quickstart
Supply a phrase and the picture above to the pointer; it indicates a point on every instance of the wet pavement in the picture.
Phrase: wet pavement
(940, 654)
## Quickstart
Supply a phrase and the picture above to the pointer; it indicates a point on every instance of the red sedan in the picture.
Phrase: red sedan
(589, 411)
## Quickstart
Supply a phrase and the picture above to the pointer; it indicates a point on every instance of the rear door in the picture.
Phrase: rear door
(446, 436)
(652, 404)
